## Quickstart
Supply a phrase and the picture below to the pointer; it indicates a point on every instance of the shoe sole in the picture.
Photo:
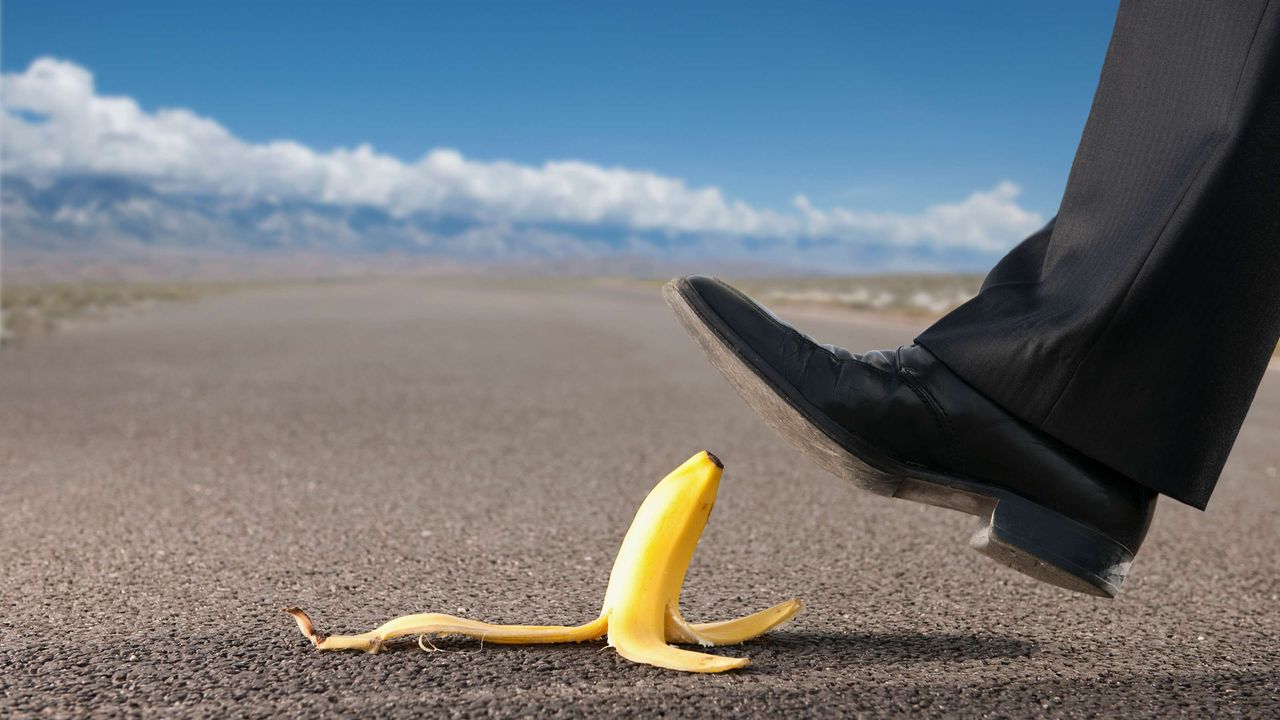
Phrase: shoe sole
(1019, 533)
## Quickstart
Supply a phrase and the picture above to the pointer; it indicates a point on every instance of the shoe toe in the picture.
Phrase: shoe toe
(754, 325)
(788, 358)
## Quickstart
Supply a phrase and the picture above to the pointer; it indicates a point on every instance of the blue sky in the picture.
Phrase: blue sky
(891, 106)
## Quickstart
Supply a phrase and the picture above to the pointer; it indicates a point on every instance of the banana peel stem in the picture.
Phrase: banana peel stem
(305, 625)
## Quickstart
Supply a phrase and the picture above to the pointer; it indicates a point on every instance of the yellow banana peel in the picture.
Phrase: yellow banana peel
(641, 613)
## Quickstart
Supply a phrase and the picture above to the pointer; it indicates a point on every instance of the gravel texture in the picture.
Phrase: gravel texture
(172, 478)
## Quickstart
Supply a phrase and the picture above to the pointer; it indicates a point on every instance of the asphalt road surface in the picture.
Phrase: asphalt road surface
(172, 478)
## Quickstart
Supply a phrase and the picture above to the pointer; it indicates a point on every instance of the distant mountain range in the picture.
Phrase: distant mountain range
(70, 220)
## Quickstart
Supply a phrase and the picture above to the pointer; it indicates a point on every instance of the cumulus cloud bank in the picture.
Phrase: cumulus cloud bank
(55, 123)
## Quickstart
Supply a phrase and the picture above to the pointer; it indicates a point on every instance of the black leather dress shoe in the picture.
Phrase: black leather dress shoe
(900, 424)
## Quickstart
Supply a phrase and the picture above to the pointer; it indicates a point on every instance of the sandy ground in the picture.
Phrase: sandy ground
(170, 479)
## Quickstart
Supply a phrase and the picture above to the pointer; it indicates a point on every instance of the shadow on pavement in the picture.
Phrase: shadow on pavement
(1226, 693)
(878, 648)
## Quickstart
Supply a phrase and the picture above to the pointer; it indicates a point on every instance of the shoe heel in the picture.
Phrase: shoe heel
(1053, 548)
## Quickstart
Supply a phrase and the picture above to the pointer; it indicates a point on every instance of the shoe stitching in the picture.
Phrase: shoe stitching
(942, 427)
(939, 414)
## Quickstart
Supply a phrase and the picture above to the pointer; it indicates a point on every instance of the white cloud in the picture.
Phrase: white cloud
(55, 123)
(985, 221)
